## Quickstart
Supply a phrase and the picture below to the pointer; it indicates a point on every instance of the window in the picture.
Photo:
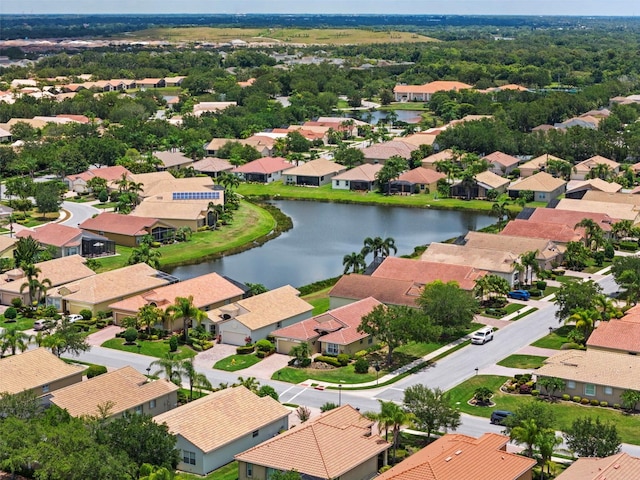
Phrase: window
(45, 388)
(255, 433)
(332, 348)
(279, 325)
(370, 341)
(571, 384)
(152, 403)
(189, 457)
(249, 470)
(608, 390)
(138, 409)
(590, 390)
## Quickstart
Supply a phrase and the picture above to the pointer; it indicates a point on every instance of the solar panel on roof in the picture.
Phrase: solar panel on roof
(196, 196)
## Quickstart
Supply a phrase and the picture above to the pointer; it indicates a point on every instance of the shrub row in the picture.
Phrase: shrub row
(326, 359)
(245, 349)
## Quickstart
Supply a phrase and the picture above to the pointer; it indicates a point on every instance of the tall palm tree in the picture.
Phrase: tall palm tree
(183, 309)
(148, 315)
(622, 229)
(526, 432)
(170, 367)
(145, 253)
(379, 247)
(593, 231)
(499, 209)
(530, 262)
(584, 321)
(14, 340)
(547, 441)
(196, 379)
(354, 261)
(27, 251)
(228, 180)
(37, 288)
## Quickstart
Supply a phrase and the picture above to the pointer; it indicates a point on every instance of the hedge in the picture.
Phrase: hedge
(330, 360)
(245, 349)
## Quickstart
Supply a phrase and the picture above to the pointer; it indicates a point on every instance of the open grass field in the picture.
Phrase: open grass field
(332, 36)
(566, 412)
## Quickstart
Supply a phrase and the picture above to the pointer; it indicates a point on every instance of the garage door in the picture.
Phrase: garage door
(233, 338)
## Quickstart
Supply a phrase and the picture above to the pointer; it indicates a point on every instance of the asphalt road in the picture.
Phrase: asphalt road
(79, 213)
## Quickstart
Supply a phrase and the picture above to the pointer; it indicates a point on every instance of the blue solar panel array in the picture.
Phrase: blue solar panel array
(196, 195)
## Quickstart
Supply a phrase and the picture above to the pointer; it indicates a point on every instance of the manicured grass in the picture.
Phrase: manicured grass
(555, 339)
(549, 290)
(566, 412)
(250, 222)
(158, 348)
(411, 106)
(418, 350)
(319, 300)
(344, 375)
(228, 472)
(567, 278)
(522, 361)
(234, 363)
(21, 322)
(106, 205)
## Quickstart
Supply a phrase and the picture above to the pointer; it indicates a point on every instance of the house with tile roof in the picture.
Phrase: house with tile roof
(150, 83)
(381, 152)
(172, 159)
(353, 287)
(212, 166)
(262, 143)
(314, 173)
(7, 246)
(338, 444)
(454, 456)
(257, 316)
(612, 197)
(206, 107)
(545, 187)
(125, 390)
(582, 170)
(209, 291)
(578, 188)
(417, 180)
(59, 271)
(558, 233)
(620, 211)
(594, 374)
(214, 428)
(420, 138)
(78, 182)
(127, 230)
(100, 290)
(164, 183)
(571, 218)
(39, 371)
(499, 262)
(620, 466)
(432, 160)
(360, 178)
(422, 93)
(64, 241)
(617, 335)
(536, 165)
(482, 184)
(332, 332)
(182, 209)
(501, 163)
(263, 170)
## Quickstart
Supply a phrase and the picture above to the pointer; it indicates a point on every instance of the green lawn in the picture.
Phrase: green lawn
(523, 314)
(566, 412)
(411, 106)
(233, 363)
(344, 375)
(158, 348)
(21, 322)
(566, 278)
(509, 307)
(319, 300)
(555, 339)
(228, 472)
(522, 361)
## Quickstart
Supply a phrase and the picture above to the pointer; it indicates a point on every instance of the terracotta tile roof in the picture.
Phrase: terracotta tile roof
(418, 139)
(54, 234)
(516, 245)
(112, 285)
(502, 159)
(366, 172)
(570, 217)
(317, 168)
(222, 417)
(454, 456)
(212, 164)
(108, 222)
(432, 87)
(599, 367)
(172, 159)
(492, 180)
(612, 197)
(538, 162)
(7, 242)
(540, 182)
(395, 292)
(556, 232)
(126, 388)
(59, 271)
(482, 258)
(589, 163)
(621, 466)
(594, 184)
(325, 448)
(616, 335)
(421, 175)
(163, 207)
(206, 290)
(620, 211)
(386, 150)
(264, 165)
(422, 273)
(265, 309)
(340, 324)
(32, 369)
(438, 157)
(110, 174)
(158, 183)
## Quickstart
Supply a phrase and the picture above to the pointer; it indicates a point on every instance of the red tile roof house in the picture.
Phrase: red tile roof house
(620, 466)
(456, 457)
(362, 178)
(617, 335)
(381, 152)
(65, 240)
(333, 332)
(263, 170)
(353, 287)
(556, 232)
(422, 93)
(78, 182)
(338, 444)
(127, 230)
(571, 218)
(208, 291)
(418, 180)
(501, 163)
(214, 428)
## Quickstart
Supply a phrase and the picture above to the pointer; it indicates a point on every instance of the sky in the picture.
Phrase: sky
(454, 7)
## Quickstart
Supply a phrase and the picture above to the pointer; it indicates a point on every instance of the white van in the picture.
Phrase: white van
(482, 336)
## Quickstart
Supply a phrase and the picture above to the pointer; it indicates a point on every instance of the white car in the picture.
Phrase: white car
(482, 336)
(74, 317)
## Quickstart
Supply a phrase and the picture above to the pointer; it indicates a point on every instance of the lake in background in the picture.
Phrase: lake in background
(323, 233)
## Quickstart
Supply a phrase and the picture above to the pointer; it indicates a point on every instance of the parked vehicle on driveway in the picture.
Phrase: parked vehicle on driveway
(482, 336)
(44, 324)
(498, 416)
(74, 317)
(519, 294)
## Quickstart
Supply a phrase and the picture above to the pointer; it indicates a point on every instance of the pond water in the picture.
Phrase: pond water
(408, 116)
(323, 233)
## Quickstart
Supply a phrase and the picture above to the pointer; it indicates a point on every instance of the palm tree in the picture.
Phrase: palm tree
(145, 253)
(530, 262)
(499, 209)
(547, 441)
(584, 320)
(526, 432)
(170, 366)
(379, 247)
(391, 417)
(228, 180)
(13, 339)
(36, 288)
(622, 229)
(196, 379)
(250, 383)
(27, 251)
(184, 309)
(601, 171)
(354, 261)
(148, 315)
(593, 231)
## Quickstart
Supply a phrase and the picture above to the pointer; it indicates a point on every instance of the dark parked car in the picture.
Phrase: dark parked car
(498, 416)
(519, 294)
